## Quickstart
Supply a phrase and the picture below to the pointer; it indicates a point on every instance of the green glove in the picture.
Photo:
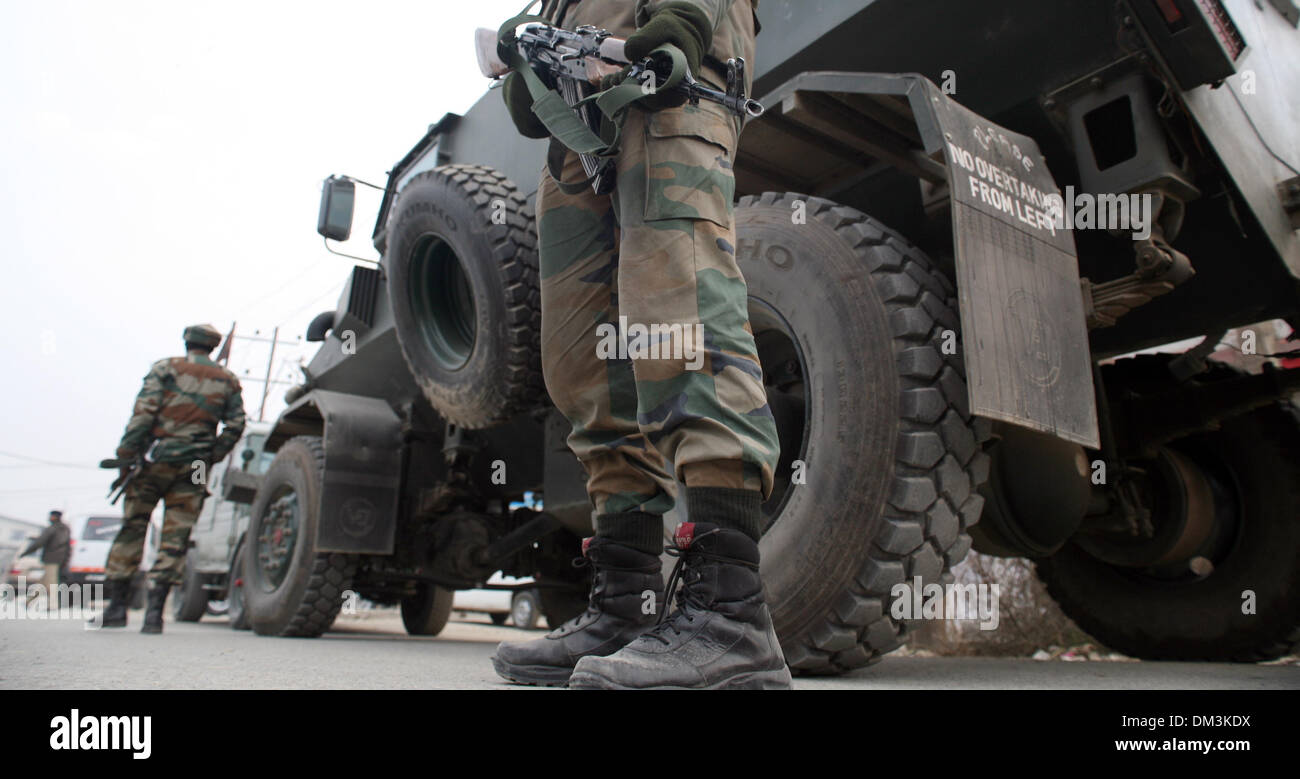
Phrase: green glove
(520, 105)
(685, 26)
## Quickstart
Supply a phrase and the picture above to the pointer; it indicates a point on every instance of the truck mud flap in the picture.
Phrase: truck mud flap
(1024, 334)
(1023, 327)
(363, 460)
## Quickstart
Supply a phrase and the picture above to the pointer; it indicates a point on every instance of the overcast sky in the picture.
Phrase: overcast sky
(160, 165)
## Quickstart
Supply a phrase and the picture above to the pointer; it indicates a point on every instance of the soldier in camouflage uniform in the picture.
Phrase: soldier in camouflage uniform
(658, 250)
(175, 421)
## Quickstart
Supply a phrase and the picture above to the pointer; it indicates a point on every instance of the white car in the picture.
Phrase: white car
(92, 537)
(28, 569)
(520, 607)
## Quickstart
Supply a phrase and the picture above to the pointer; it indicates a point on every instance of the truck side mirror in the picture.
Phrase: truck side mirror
(337, 199)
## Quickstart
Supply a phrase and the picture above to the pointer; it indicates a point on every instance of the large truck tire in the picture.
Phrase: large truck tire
(290, 589)
(462, 267)
(190, 600)
(1245, 604)
(425, 613)
(857, 331)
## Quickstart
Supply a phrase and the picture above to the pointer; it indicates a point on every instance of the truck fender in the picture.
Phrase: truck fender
(362, 480)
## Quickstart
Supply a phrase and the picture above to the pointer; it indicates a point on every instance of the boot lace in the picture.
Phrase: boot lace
(593, 609)
(688, 598)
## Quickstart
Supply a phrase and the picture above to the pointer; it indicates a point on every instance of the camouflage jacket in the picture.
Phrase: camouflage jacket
(734, 23)
(182, 401)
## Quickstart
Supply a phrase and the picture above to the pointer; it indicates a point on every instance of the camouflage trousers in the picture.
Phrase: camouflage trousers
(646, 344)
(173, 483)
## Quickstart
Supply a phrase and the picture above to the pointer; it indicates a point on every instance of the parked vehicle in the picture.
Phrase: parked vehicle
(522, 608)
(26, 569)
(91, 539)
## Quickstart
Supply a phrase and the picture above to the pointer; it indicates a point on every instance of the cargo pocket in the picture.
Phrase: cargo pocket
(688, 165)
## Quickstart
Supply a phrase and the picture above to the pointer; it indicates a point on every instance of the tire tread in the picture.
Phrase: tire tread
(514, 253)
(331, 573)
(932, 500)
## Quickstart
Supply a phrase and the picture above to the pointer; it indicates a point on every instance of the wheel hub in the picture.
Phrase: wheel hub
(1178, 520)
(523, 612)
(442, 302)
(277, 538)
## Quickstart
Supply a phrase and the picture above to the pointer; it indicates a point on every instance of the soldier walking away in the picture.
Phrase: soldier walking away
(54, 543)
(175, 419)
(657, 249)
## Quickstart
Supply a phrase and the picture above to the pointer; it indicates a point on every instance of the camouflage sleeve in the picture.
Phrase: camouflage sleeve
(716, 10)
(147, 403)
(232, 419)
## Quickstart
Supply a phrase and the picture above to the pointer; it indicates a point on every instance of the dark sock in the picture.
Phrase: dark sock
(637, 529)
(738, 509)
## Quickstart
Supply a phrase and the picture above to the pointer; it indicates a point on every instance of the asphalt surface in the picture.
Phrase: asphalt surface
(373, 652)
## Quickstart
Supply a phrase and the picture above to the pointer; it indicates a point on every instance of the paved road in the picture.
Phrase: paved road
(373, 652)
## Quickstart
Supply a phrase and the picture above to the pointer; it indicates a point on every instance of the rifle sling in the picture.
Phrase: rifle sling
(562, 120)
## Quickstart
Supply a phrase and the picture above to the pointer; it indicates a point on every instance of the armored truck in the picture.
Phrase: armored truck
(953, 218)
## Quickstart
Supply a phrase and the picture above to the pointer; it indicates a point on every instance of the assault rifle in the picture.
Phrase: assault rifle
(575, 62)
(129, 470)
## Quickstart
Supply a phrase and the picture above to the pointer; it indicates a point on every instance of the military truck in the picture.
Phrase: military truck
(952, 217)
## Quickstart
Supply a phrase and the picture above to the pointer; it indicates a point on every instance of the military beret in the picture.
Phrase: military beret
(204, 335)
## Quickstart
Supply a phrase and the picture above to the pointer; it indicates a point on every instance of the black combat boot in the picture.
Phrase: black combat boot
(153, 620)
(626, 597)
(719, 637)
(118, 592)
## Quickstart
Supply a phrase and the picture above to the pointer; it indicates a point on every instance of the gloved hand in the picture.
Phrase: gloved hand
(684, 25)
(520, 105)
